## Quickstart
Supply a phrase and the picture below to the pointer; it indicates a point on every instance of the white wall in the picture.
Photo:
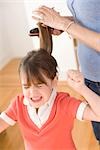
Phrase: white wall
(5, 55)
(14, 39)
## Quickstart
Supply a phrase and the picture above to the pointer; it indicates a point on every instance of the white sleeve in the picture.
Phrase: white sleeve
(7, 119)
(80, 111)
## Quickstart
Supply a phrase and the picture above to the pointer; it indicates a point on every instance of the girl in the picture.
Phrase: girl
(46, 117)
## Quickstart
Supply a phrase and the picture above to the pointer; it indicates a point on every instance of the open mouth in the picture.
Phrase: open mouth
(36, 100)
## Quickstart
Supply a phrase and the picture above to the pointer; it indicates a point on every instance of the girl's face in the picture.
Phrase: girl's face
(37, 94)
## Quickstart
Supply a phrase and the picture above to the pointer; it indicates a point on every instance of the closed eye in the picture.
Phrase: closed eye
(26, 87)
(39, 85)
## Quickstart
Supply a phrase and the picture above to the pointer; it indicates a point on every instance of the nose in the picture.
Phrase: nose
(33, 91)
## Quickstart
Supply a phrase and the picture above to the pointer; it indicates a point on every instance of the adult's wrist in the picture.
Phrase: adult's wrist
(68, 26)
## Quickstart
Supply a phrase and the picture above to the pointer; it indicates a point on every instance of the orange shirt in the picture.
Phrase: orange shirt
(55, 134)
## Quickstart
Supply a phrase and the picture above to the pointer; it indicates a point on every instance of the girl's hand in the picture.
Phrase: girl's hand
(76, 80)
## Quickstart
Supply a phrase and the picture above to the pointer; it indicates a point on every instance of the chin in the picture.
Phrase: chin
(35, 105)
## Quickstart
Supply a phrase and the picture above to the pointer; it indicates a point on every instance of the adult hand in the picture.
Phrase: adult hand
(58, 32)
(50, 17)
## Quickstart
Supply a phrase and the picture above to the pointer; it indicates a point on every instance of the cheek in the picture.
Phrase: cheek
(26, 93)
(46, 93)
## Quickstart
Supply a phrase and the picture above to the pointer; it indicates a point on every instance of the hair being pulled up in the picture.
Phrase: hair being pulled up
(36, 64)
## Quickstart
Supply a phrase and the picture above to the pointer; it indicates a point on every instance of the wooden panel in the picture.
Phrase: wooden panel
(9, 75)
(10, 139)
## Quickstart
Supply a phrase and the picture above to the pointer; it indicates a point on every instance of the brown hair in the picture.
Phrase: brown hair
(36, 64)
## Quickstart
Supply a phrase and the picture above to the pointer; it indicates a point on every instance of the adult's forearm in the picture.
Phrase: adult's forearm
(50, 17)
(86, 36)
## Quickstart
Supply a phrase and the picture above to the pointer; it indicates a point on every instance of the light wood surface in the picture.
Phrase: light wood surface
(11, 139)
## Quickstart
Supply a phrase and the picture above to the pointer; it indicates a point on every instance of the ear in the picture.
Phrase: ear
(55, 81)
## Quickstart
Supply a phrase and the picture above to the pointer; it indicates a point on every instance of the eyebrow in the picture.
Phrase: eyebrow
(25, 84)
